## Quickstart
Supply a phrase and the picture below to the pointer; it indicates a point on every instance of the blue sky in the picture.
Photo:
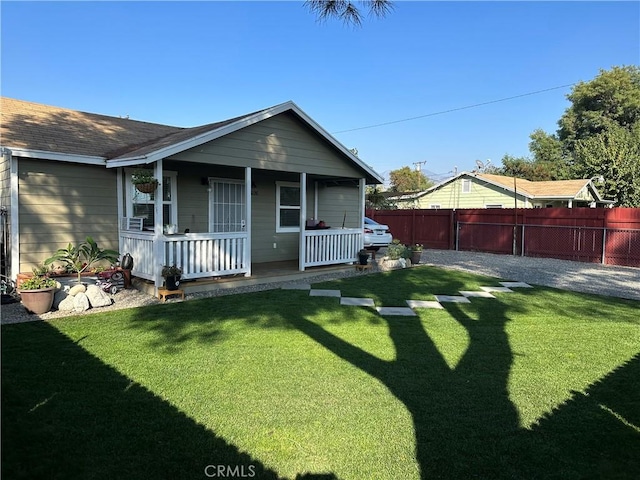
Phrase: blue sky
(190, 63)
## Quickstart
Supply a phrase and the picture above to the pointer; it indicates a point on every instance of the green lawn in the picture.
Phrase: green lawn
(539, 383)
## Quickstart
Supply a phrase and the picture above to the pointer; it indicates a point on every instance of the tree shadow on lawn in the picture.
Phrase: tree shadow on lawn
(465, 424)
(66, 414)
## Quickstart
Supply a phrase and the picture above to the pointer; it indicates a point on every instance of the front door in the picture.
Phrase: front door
(227, 209)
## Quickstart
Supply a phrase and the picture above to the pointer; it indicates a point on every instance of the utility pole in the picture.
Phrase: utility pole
(417, 164)
(515, 216)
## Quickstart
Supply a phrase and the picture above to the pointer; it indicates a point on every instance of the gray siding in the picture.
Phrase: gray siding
(5, 181)
(5, 202)
(263, 219)
(61, 203)
(335, 202)
(281, 143)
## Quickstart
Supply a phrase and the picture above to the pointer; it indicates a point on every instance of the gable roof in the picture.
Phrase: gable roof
(546, 188)
(549, 189)
(42, 131)
(42, 128)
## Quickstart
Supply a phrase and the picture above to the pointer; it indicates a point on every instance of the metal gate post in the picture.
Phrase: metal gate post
(457, 236)
(604, 245)
(522, 242)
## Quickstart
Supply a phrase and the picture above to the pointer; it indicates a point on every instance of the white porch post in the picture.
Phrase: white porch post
(14, 214)
(120, 194)
(315, 201)
(570, 203)
(247, 222)
(302, 254)
(158, 243)
(362, 186)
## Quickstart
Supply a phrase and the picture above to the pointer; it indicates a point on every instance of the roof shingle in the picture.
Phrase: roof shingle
(34, 126)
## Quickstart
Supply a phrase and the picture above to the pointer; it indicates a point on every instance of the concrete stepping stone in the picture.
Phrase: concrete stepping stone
(468, 293)
(357, 302)
(314, 292)
(396, 311)
(297, 286)
(515, 285)
(452, 298)
(424, 304)
(497, 289)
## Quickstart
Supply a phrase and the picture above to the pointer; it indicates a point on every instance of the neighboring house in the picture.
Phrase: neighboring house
(240, 189)
(483, 190)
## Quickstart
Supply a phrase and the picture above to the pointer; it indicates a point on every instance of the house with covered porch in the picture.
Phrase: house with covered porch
(230, 195)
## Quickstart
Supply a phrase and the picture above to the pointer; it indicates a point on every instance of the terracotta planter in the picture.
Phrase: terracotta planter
(146, 187)
(38, 301)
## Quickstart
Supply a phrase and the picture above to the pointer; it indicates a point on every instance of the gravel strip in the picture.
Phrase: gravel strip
(610, 280)
(615, 281)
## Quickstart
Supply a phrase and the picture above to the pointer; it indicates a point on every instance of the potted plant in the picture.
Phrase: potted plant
(144, 180)
(363, 257)
(416, 252)
(79, 258)
(37, 293)
(172, 275)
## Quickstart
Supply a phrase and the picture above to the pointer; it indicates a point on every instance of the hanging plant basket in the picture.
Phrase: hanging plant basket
(146, 187)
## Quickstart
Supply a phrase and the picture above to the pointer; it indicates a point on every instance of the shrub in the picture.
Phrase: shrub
(81, 257)
(396, 250)
(37, 282)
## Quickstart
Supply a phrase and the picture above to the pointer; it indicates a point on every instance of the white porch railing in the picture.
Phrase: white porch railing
(328, 247)
(197, 254)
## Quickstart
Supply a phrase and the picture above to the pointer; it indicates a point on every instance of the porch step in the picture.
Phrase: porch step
(259, 278)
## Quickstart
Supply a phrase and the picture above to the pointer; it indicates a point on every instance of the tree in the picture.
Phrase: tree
(378, 200)
(523, 167)
(549, 155)
(598, 134)
(406, 180)
(613, 154)
(611, 98)
(346, 11)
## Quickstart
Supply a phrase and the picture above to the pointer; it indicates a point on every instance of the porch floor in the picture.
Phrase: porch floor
(261, 273)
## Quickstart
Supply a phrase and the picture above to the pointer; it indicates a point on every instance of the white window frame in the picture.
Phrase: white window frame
(279, 207)
(435, 206)
(466, 185)
(493, 205)
(173, 178)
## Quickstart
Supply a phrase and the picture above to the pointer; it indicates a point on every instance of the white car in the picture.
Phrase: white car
(376, 235)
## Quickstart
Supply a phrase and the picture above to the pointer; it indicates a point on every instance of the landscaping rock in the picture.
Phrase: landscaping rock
(67, 304)
(97, 297)
(77, 289)
(58, 298)
(387, 264)
(81, 302)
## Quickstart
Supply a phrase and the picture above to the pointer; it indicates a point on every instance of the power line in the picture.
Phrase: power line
(456, 109)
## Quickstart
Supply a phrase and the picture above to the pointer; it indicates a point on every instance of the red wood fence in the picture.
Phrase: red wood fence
(593, 235)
